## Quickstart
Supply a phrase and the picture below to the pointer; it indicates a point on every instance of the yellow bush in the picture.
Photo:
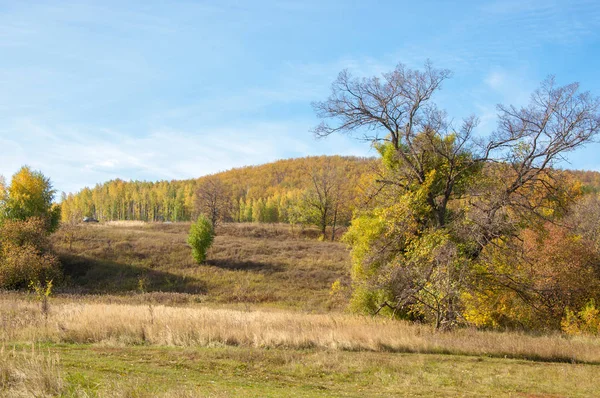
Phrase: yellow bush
(586, 321)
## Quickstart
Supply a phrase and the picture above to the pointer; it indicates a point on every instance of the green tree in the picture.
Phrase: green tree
(258, 210)
(272, 210)
(200, 238)
(248, 206)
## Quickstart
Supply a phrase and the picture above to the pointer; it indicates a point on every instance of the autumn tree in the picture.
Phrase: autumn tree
(27, 217)
(3, 196)
(26, 254)
(547, 270)
(445, 195)
(584, 219)
(213, 199)
(30, 194)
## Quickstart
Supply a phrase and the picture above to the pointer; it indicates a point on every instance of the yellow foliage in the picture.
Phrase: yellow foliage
(586, 321)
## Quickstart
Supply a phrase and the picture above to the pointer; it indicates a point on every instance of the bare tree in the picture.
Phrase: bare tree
(326, 196)
(528, 142)
(213, 199)
(397, 104)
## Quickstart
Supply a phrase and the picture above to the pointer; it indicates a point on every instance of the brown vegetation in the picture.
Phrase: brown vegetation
(28, 373)
(118, 324)
(247, 264)
(25, 254)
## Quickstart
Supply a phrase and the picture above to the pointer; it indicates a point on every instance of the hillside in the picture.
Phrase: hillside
(262, 193)
(249, 264)
(590, 180)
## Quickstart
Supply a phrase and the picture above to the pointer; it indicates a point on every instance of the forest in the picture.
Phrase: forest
(323, 191)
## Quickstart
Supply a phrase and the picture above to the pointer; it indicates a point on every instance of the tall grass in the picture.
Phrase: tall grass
(25, 373)
(121, 324)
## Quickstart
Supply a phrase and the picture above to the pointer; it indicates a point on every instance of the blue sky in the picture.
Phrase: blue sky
(91, 91)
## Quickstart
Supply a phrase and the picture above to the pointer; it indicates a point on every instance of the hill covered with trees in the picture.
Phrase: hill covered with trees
(315, 190)
(263, 193)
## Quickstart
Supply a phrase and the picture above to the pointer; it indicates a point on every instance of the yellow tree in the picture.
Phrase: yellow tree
(30, 194)
(2, 192)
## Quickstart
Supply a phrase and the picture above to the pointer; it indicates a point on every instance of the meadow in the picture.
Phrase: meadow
(136, 317)
(248, 264)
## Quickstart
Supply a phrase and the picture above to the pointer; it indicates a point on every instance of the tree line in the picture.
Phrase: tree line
(322, 191)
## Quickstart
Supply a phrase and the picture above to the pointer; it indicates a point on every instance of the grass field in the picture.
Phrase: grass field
(137, 318)
(248, 264)
(122, 350)
(140, 371)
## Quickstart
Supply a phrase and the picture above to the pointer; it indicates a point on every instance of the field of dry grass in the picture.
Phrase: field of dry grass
(85, 349)
(121, 324)
(136, 317)
(249, 264)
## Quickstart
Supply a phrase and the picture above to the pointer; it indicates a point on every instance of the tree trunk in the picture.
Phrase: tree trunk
(333, 225)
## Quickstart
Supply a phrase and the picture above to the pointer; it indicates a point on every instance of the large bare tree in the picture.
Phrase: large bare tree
(474, 190)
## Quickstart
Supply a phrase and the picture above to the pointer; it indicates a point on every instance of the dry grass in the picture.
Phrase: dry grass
(248, 264)
(137, 318)
(125, 223)
(118, 324)
(27, 373)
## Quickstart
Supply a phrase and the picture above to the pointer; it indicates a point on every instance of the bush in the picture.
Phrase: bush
(201, 238)
(25, 254)
(586, 321)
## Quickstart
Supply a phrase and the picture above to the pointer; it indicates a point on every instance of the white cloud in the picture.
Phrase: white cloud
(75, 159)
(506, 86)
(495, 80)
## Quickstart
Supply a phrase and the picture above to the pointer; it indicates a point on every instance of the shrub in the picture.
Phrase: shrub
(201, 238)
(586, 321)
(25, 254)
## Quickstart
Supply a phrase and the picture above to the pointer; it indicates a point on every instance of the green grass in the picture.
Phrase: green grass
(250, 372)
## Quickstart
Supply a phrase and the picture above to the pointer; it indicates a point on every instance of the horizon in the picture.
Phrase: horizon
(91, 93)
